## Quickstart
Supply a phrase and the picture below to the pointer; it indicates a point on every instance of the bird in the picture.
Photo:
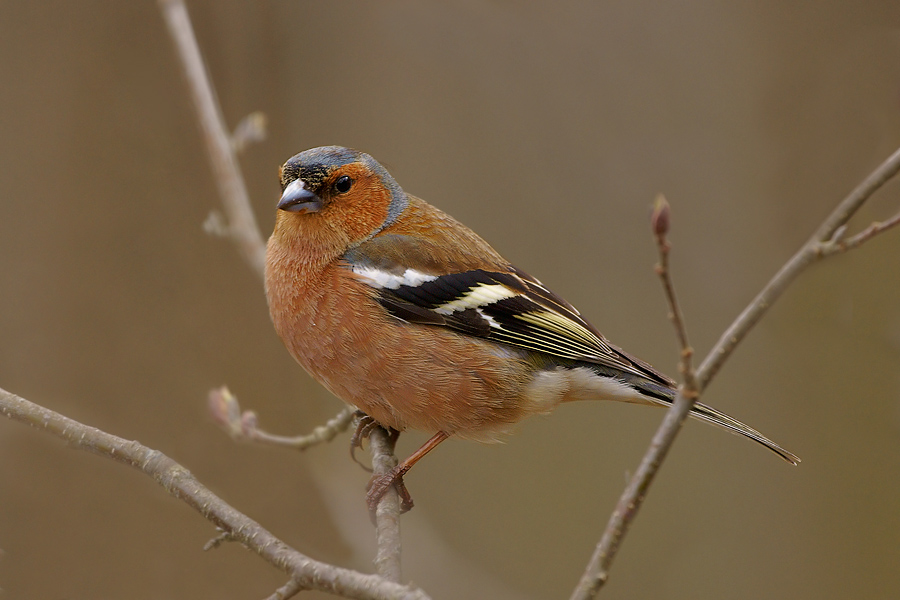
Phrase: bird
(405, 313)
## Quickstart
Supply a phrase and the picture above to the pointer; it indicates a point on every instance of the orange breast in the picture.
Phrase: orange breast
(403, 375)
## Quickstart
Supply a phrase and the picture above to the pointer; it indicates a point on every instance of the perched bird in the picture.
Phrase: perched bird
(408, 315)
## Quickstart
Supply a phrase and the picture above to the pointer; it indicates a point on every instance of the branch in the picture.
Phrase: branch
(814, 249)
(387, 514)
(868, 233)
(597, 571)
(177, 481)
(288, 590)
(245, 234)
(825, 242)
(305, 572)
(242, 228)
(660, 222)
(226, 411)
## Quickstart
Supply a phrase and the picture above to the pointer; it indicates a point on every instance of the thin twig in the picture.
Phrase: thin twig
(841, 215)
(863, 236)
(825, 242)
(809, 253)
(221, 538)
(242, 224)
(178, 482)
(320, 434)
(597, 572)
(251, 130)
(226, 411)
(387, 513)
(288, 590)
(660, 221)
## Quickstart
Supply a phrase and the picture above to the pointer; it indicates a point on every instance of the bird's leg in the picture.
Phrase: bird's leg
(380, 484)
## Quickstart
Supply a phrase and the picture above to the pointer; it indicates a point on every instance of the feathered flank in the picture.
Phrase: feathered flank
(514, 310)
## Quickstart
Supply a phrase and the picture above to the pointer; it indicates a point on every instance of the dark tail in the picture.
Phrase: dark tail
(663, 396)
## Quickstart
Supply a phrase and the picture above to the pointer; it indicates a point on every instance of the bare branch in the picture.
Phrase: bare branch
(839, 245)
(387, 514)
(597, 571)
(288, 590)
(243, 426)
(245, 233)
(242, 224)
(178, 482)
(855, 199)
(660, 222)
(825, 242)
(809, 253)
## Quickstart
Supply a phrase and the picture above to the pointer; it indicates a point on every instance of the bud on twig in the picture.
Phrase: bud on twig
(225, 410)
(252, 128)
(659, 216)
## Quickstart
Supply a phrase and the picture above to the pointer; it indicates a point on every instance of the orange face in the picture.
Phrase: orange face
(336, 187)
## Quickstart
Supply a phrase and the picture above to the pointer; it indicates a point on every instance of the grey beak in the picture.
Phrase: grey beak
(296, 198)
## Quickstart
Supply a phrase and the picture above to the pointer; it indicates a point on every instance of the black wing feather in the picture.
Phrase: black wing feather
(530, 317)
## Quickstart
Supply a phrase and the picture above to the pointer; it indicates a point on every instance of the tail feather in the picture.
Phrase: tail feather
(663, 396)
(711, 415)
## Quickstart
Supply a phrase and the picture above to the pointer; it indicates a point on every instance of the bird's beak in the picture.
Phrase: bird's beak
(296, 198)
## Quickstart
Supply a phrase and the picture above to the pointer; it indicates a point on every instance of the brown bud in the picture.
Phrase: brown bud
(659, 216)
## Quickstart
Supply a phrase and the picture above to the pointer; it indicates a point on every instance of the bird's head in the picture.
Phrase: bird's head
(340, 191)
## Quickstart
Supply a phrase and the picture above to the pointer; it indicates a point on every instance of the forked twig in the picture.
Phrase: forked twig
(826, 241)
(179, 482)
(244, 426)
(242, 225)
(288, 590)
(632, 497)
(816, 248)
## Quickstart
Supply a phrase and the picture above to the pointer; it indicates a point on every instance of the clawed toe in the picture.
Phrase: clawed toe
(364, 426)
(380, 484)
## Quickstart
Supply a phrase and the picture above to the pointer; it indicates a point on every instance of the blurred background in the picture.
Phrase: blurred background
(547, 128)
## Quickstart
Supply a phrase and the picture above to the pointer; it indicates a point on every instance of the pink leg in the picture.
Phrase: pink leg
(380, 484)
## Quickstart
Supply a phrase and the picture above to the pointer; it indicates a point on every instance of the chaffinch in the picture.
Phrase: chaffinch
(404, 312)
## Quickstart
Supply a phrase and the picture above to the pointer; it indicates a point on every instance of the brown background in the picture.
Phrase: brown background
(549, 131)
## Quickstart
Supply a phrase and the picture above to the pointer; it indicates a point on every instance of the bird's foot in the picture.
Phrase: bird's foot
(380, 484)
(364, 426)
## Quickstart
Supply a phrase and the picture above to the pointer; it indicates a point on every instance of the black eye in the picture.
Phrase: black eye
(343, 184)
